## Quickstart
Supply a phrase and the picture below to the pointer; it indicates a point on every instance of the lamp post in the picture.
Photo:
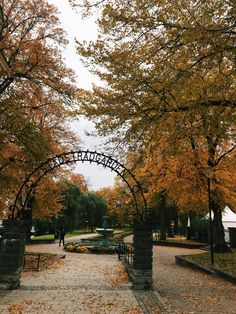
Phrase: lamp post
(207, 173)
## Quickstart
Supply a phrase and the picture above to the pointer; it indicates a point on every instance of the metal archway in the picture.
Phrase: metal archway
(24, 195)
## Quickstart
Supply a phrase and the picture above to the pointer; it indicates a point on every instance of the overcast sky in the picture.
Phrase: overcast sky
(83, 29)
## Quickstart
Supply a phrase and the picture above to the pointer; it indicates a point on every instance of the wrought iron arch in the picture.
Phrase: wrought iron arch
(25, 193)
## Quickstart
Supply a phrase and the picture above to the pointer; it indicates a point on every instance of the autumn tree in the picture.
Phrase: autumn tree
(149, 54)
(177, 166)
(78, 208)
(165, 66)
(67, 198)
(81, 207)
(153, 50)
(80, 181)
(36, 92)
(120, 203)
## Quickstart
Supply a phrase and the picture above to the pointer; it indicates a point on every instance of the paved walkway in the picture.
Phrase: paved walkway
(87, 283)
(188, 291)
(80, 283)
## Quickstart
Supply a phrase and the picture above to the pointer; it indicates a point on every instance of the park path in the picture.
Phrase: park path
(87, 283)
(188, 291)
(79, 283)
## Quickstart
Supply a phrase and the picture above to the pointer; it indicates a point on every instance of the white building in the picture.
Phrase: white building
(229, 220)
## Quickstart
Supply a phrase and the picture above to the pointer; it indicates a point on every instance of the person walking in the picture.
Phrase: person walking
(61, 237)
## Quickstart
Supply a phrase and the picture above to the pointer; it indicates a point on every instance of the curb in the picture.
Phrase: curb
(29, 242)
(164, 308)
(225, 275)
(178, 244)
(182, 261)
(160, 303)
(4, 286)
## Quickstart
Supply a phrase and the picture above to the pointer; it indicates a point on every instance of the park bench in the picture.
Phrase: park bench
(31, 261)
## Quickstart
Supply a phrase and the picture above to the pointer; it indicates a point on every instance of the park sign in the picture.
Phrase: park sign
(24, 196)
(89, 156)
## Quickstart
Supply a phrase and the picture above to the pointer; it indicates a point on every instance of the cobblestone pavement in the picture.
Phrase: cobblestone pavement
(87, 283)
(80, 283)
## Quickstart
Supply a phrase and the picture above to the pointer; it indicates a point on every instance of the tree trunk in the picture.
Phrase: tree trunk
(176, 226)
(220, 246)
(170, 230)
(163, 218)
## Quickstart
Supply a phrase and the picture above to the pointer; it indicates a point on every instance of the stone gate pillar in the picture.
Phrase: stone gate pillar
(142, 263)
(12, 247)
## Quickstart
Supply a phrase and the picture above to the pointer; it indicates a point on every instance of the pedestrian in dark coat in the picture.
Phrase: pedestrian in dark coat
(62, 237)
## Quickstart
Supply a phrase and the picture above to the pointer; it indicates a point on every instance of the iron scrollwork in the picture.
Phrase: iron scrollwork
(30, 183)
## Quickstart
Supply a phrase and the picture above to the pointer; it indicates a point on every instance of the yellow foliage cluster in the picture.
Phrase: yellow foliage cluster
(119, 202)
(169, 72)
(70, 248)
(81, 249)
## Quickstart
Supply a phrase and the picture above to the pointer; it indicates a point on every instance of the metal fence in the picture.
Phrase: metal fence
(126, 253)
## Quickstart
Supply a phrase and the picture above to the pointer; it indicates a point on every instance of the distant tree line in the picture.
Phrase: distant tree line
(81, 209)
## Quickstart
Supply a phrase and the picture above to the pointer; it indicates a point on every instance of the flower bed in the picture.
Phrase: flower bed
(77, 247)
(99, 249)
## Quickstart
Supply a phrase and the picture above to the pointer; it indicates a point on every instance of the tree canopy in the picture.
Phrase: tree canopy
(81, 209)
(149, 54)
(37, 93)
(168, 73)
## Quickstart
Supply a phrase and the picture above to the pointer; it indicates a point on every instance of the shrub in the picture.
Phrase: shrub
(69, 248)
(99, 249)
(81, 249)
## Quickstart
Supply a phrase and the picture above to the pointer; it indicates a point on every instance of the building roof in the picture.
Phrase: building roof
(228, 215)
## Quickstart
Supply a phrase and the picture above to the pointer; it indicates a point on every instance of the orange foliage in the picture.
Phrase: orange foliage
(79, 181)
(48, 199)
(36, 98)
(177, 163)
(119, 202)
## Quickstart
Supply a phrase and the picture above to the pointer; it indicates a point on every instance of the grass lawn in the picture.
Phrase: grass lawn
(178, 239)
(68, 235)
(43, 237)
(77, 232)
(223, 261)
